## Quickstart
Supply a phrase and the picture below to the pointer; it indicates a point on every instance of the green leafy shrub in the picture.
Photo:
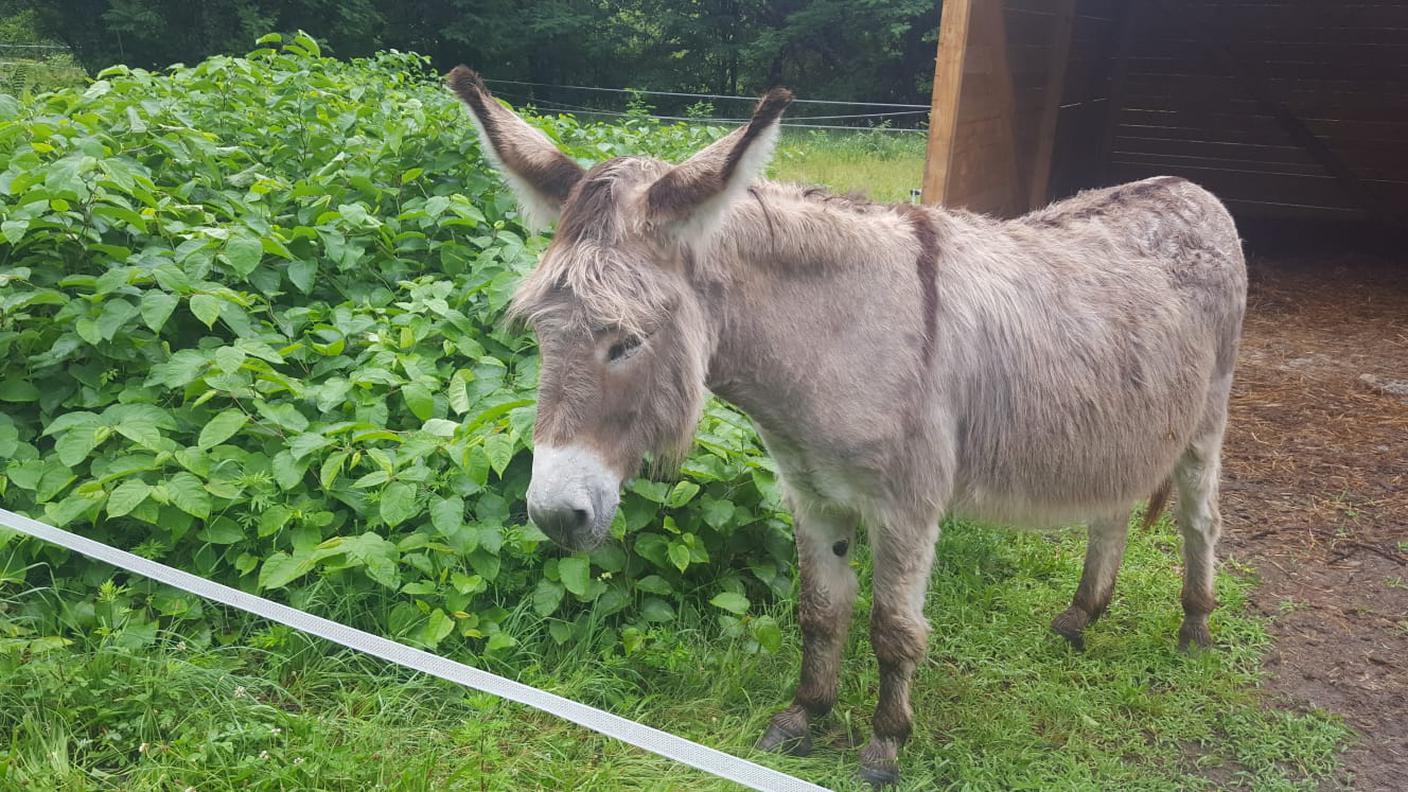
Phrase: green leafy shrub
(250, 326)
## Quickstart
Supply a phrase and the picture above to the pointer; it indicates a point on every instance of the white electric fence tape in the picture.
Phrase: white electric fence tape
(659, 742)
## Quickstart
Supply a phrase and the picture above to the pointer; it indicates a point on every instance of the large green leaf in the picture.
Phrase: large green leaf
(127, 496)
(419, 400)
(189, 495)
(547, 597)
(281, 569)
(221, 531)
(679, 555)
(575, 573)
(76, 444)
(157, 307)
(499, 449)
(141, 431)
(398, 503)
(243, 251)
(18, 390)
(116, 313)
(681, 494)
(221, 428)
(436, 628)
(736, 604)
(206, 308)
(447, 514)
(284, 414)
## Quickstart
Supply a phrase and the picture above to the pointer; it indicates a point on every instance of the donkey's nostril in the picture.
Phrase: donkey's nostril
(567, 519)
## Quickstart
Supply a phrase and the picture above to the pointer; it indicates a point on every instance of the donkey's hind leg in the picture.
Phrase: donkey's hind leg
(1200, 522)
(1104, 550)
(824, 549)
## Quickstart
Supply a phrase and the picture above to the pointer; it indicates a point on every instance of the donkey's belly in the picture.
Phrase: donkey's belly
(1046, 477)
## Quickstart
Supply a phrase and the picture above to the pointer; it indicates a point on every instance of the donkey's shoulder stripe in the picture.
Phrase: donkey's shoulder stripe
(709, 760)
(927, 264)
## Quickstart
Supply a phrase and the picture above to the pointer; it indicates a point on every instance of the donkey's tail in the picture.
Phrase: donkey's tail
(1157, 502)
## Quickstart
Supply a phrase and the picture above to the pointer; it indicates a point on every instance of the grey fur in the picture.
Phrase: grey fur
(1063, 366)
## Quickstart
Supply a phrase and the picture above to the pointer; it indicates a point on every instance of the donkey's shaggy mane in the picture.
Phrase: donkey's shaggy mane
(614, 286)
(597, 287)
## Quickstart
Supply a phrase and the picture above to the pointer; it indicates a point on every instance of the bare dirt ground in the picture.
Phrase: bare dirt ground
(1316, 482)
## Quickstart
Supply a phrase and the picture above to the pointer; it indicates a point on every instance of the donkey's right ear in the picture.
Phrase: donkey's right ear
(541, 176)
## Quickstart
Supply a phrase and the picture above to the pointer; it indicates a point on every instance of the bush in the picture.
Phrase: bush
(22, 75)
(250, 326)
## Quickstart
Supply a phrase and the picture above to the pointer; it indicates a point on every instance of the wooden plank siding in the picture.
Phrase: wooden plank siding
(1224, 92)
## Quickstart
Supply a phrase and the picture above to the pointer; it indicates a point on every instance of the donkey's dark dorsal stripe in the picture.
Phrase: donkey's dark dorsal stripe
(927, 265)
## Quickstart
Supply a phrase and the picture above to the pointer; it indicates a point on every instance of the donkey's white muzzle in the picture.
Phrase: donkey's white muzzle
(573, 496)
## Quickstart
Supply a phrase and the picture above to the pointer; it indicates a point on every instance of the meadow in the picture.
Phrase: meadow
(251, 326)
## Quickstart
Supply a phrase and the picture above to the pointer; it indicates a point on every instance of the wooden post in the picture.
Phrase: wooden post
(948, 84)
(1039, 191)
(971, 160)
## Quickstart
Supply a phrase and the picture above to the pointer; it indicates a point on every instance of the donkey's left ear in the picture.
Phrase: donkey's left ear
(691, 197)
(541, 176)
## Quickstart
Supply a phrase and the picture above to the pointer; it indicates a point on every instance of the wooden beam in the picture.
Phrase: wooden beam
(1039, 190)
(948, 87)
(972, 158)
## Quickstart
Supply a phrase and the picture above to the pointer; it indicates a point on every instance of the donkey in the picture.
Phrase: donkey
(900, 363)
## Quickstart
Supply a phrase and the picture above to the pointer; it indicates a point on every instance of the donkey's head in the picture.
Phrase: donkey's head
(623, 338)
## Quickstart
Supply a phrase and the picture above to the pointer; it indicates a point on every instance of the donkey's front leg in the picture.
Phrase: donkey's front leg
(904, 554)
(824, 542)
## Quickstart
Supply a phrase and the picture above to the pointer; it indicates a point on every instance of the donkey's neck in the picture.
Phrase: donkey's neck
(809, 295)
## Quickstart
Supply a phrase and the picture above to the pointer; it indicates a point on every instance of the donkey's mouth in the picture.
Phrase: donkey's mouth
(578, 530)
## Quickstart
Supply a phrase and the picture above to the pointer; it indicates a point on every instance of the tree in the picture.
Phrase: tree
(865, 49)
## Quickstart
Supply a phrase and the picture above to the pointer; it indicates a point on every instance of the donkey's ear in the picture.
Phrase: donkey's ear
(541, 176)
(691, 197)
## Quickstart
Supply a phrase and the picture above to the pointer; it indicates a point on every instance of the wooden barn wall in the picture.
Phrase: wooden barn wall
(1084, 109)
(1213, 90)
(1032, 73)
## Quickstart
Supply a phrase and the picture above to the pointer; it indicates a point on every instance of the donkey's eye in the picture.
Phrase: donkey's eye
(623, 349)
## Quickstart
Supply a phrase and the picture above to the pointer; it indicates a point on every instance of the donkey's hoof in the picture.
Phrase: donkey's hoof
(787, 733)
(1071, 626)
(779, 740)
(880, 776)
(1193, 636)
(880, 762)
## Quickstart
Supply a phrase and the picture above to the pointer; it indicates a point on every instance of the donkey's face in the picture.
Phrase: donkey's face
(623, 349)
(622, 335)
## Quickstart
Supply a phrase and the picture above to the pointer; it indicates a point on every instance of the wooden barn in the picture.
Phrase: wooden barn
(1287, 108)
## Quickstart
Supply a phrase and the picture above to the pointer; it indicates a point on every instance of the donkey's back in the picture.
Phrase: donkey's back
(1100, 336)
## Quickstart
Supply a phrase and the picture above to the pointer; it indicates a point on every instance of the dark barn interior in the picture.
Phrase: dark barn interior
(1284, 108)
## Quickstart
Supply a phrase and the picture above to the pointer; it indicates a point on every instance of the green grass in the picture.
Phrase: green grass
(1000, 703)
(882, 166)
